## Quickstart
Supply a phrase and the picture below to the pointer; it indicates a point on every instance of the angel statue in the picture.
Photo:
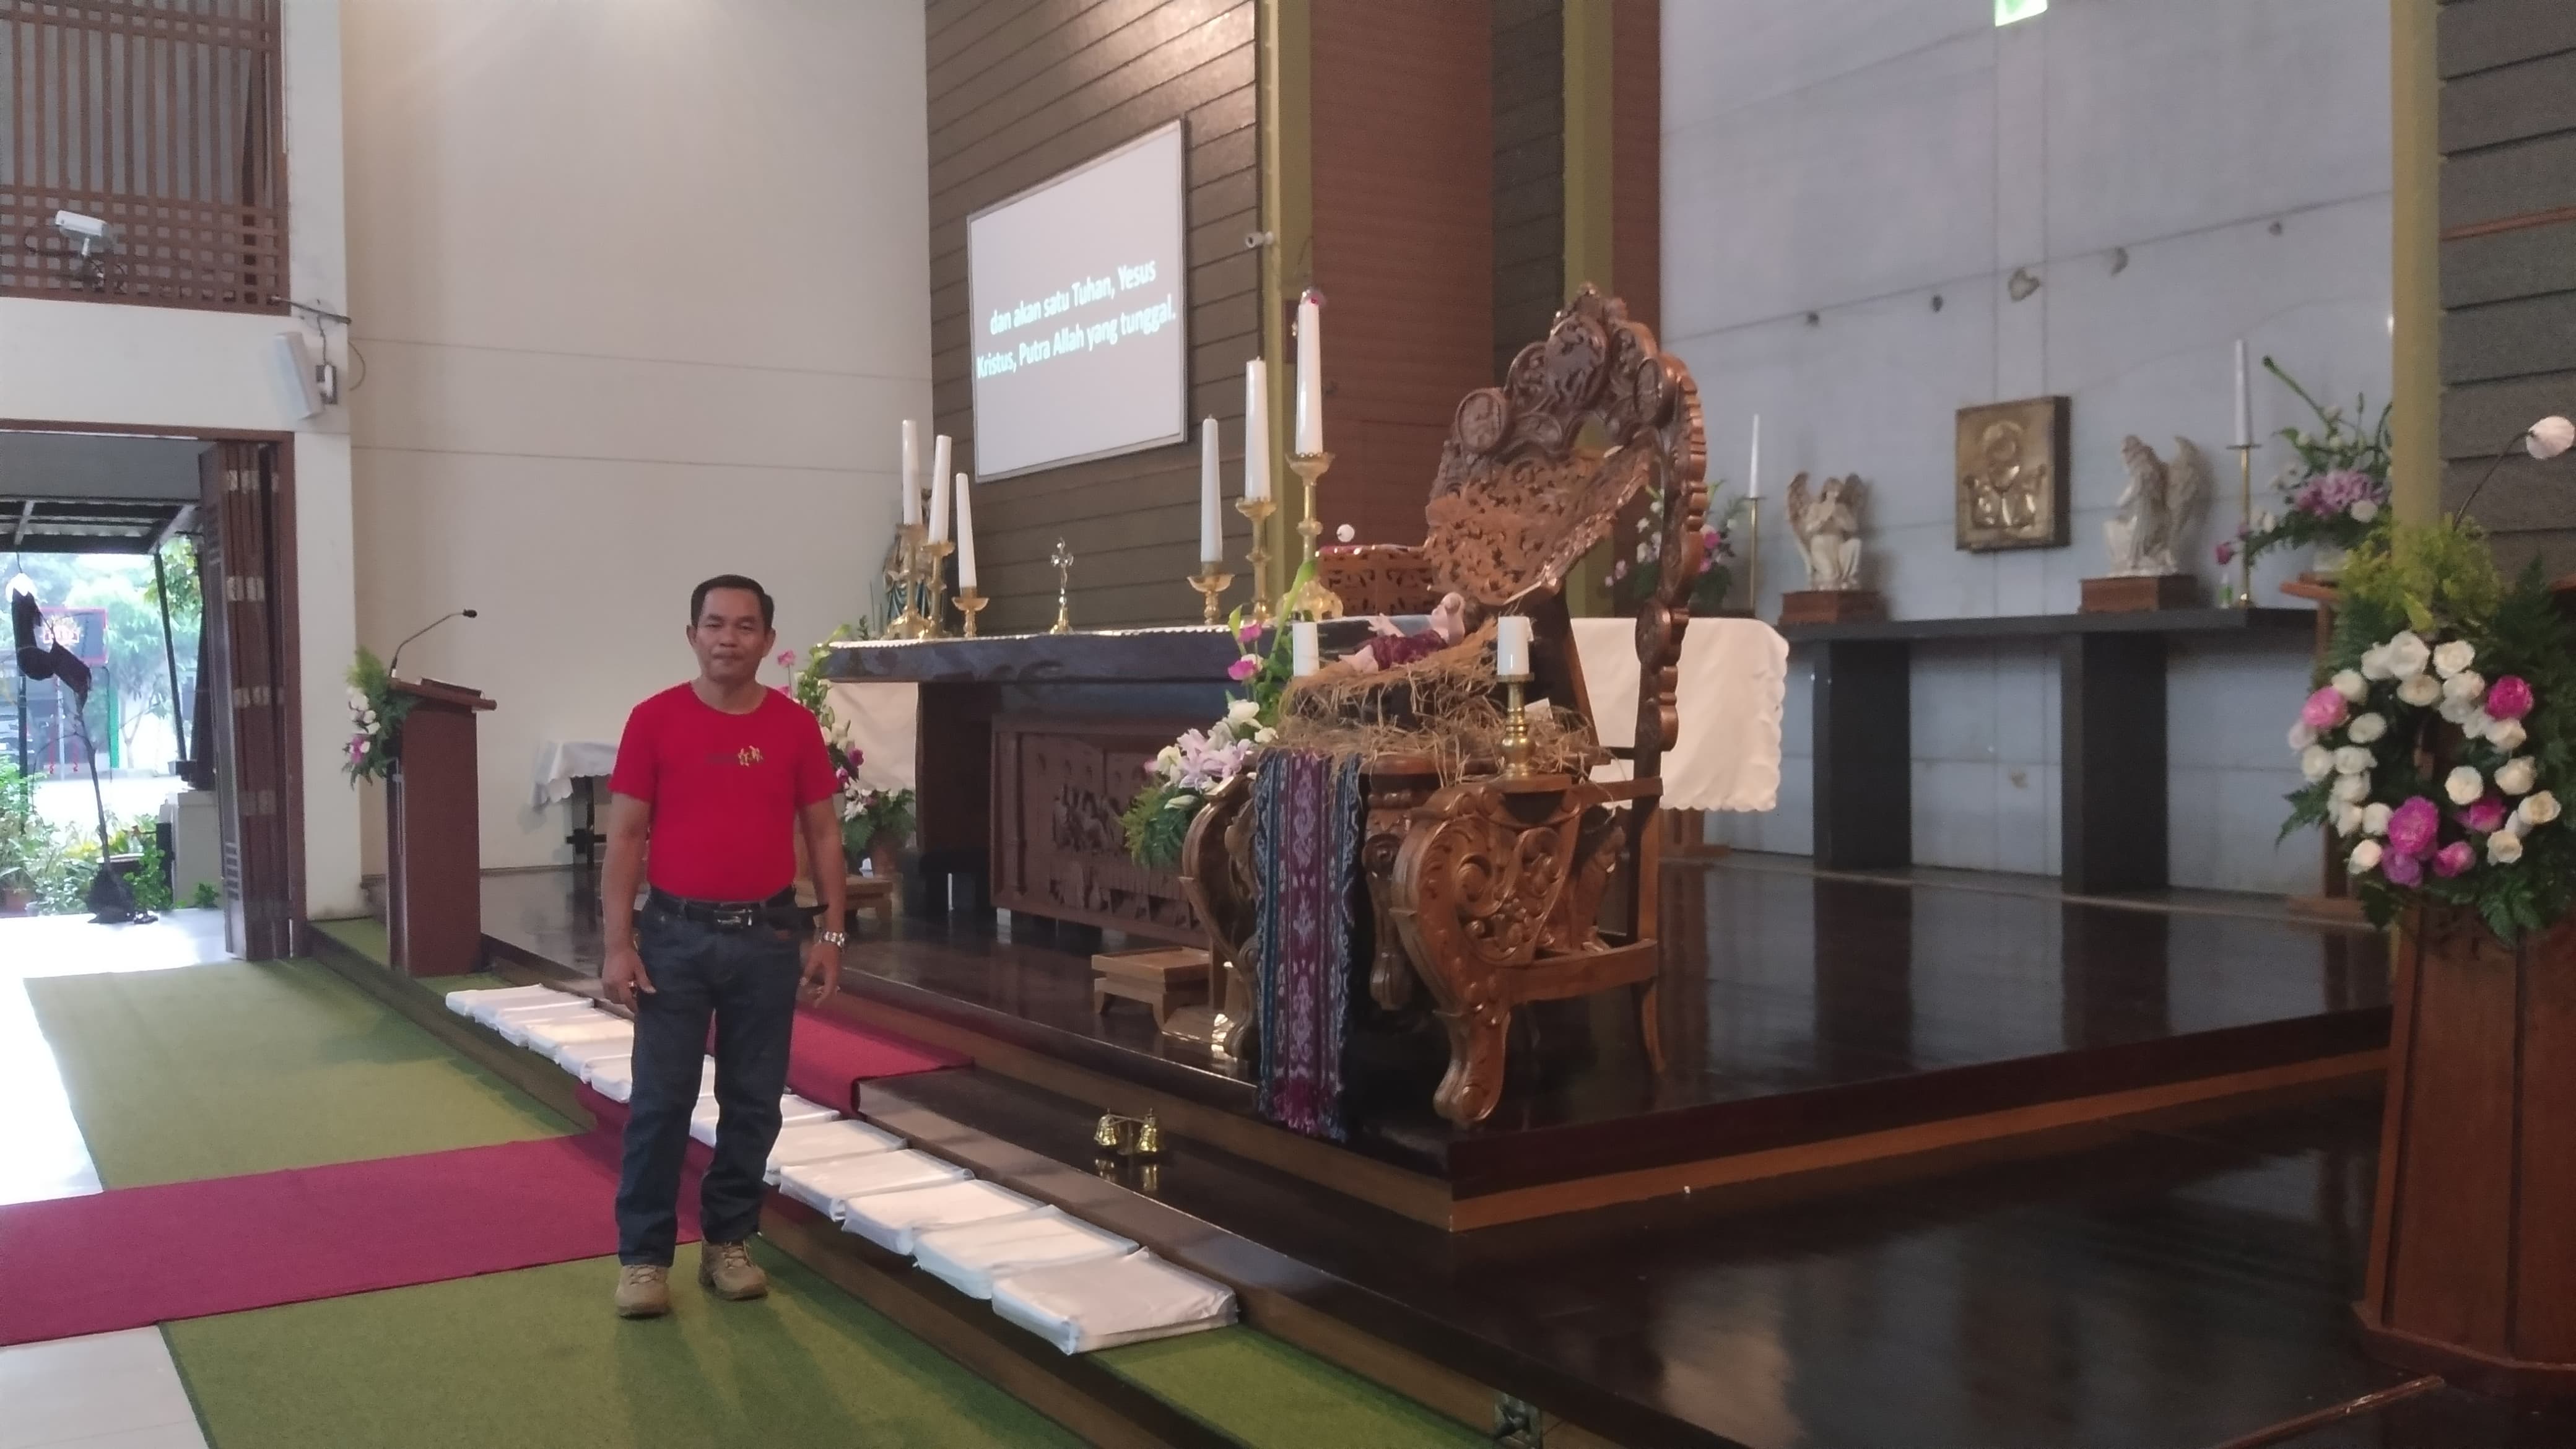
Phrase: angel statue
(1828, 530)
(2159, 508)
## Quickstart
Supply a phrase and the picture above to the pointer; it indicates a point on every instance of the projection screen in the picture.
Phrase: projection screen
(1075, 292)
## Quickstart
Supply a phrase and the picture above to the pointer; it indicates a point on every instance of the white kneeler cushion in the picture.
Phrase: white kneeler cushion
(969, 1256)
(479, 1004)
(830, 1187)
(811, 1142)
(1104, 1302)
(576, 1056)
(551, 1034)
(792, 1109)
(892, 1219)
(512, 1022)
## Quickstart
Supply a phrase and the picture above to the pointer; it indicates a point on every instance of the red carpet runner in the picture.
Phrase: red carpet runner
(141, 1255)
(135, 1256)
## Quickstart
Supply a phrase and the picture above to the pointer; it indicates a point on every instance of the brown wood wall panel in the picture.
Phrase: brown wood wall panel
(1528, 207)
(1020, 91)
(1637, 157)
(2508, 139)
(1403, 246)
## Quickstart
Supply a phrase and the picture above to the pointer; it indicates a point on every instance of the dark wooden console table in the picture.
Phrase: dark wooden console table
(2111, 722)
(1068, 716)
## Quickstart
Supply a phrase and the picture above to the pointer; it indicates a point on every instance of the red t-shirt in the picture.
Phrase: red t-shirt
(724, 788)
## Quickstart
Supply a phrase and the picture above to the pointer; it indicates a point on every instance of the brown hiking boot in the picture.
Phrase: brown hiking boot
(726, 1269)
(643, 1290)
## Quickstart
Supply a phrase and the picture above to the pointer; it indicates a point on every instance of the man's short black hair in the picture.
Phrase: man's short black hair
(698, 598)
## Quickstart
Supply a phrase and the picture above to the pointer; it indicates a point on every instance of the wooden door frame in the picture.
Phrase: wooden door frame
(280, 581)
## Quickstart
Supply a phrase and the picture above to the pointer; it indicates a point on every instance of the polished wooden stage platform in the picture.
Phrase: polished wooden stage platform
(2187, 1283)
(1817, 1028)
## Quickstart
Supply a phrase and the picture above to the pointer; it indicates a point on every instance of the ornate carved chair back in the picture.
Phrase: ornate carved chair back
(1534, 475)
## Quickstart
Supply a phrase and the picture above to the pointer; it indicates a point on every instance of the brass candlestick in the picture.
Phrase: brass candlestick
(1211, 581)
(2245, 504)
(1259, 511)
(934, 587)
(1516, 736)
(1314, 601)
(906, 578)
(970, 603)
(1062, 558)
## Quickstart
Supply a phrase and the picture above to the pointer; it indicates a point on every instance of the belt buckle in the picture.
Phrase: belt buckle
(736, 918)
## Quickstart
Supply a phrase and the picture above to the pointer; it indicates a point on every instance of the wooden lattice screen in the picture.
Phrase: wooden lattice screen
(161, 117)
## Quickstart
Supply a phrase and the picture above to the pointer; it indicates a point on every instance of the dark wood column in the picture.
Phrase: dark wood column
(1864, 740)
(2111, 724)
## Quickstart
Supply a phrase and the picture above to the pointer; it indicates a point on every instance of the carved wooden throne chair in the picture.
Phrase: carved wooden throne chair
(1490, 892)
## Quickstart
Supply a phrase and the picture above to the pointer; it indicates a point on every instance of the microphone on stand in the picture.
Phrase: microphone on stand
(396, 664)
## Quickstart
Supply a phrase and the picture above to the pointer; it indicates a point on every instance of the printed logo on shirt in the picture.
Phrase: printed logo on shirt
(749, 756)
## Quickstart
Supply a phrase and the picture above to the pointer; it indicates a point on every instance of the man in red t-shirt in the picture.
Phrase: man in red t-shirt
(718, 773)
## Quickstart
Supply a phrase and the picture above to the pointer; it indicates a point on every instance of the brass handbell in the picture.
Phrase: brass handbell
(1149, 1138)
(1107, 1135)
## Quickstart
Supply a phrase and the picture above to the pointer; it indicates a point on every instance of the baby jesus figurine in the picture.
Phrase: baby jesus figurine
(1392, 648)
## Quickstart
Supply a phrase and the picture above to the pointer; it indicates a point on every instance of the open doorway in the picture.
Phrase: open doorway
(165, 562)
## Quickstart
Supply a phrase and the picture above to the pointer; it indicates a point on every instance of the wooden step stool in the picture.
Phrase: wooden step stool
(1162, 977)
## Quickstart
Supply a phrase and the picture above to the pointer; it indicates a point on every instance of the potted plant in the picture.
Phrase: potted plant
(2334, 494)
(2436, 746)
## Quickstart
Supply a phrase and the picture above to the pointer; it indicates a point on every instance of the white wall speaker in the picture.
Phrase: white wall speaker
(291, 367)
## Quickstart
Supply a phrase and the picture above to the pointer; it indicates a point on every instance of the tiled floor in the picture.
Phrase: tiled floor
(41, 1155)
(112, 1390)
(107, 1391)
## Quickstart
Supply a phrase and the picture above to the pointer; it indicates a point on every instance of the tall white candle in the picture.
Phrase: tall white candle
(2244, 400)
(965, 532)
(1310, 374)
(1753, 465)
(911, 473)
(939, 451)
(1211, 522)
(1256, 429)
(1303, 646)
(1512, 646)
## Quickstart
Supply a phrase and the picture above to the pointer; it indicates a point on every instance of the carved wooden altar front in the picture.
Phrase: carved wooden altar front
(1058, 850)
(1489, 893)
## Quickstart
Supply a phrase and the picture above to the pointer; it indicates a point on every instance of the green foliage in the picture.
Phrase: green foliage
(2439, 577)
(871, 817)
(1157, 822)
(206, 898)
(152, 876)
(373, 743)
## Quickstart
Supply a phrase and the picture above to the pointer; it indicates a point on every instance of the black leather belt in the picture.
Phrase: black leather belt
(779, 911)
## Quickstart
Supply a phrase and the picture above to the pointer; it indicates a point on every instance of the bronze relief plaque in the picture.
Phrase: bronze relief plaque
(2012, 475)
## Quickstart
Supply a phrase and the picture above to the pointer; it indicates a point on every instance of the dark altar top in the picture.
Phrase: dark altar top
(1187, 654)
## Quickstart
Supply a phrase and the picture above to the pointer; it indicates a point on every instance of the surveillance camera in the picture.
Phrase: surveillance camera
(73, 224)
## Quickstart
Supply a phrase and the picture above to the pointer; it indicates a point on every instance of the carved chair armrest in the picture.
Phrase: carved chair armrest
(1378, 578)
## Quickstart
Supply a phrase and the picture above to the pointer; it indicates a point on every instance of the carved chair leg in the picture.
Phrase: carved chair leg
(1650, 1025)
(1474, 1081)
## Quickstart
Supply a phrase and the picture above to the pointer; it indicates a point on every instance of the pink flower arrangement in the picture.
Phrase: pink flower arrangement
(786, 658)
(2453, 858)
(357, 748)
(1245, 633)
(2226, 552)
(2324, 710)
(2411, 831)
(2402, 869)
(2486, 817)
(2509, 697)
(2337, 492)
(1243, 668)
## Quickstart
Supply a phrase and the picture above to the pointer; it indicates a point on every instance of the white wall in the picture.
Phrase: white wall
(168, 367)
(643, 294)
(1853, 160)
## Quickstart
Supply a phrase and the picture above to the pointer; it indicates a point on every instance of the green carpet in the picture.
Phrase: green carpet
(242, 1067)
(1268, 1395)
(364, 935)
(536, 1359)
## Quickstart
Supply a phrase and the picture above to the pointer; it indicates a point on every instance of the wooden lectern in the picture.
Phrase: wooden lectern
(434, 848)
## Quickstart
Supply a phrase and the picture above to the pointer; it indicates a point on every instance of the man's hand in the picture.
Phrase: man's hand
(822, 972)
(622, 974)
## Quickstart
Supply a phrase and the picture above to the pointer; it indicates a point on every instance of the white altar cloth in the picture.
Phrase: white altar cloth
(882, 721)
(560, 762)
(1733, 676)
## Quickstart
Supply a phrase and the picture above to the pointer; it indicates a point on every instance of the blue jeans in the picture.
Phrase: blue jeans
(745, 980)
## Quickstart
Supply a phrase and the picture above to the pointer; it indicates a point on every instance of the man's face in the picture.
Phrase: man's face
(729, 639)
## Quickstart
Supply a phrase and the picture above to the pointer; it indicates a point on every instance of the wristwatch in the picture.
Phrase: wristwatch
(834, 939)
